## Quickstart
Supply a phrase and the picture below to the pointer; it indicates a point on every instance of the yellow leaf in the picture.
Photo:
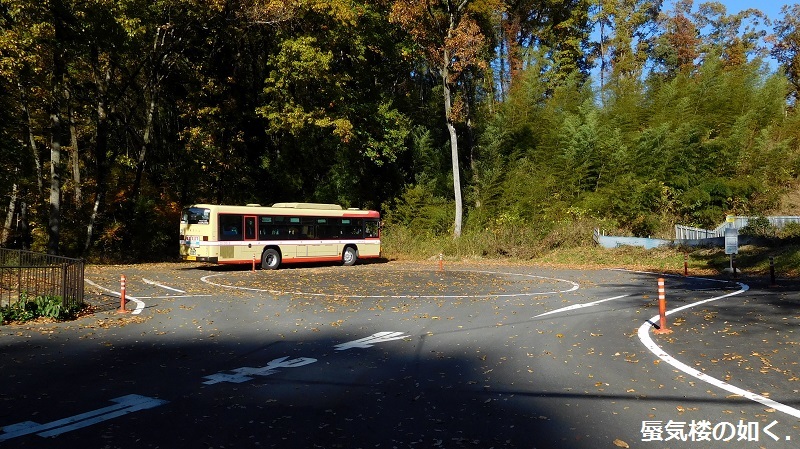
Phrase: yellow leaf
(620, 443)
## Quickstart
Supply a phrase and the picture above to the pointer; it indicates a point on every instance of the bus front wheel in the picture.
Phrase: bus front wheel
(349, 256)
(270, 259)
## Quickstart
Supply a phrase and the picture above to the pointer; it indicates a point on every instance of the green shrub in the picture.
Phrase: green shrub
(49, 306)
(644, 226)
(418, 209)
(26, 309)
(790, 231)
(21, 311)
(758, 227)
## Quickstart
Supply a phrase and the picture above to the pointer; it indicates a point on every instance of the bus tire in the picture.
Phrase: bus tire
(349, 256)
(270, 259)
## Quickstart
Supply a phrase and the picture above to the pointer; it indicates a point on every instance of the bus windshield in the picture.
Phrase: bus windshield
(195, 215)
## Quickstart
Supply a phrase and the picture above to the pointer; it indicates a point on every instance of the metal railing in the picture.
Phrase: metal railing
(26, 274)
(691, 233)
(738, 222)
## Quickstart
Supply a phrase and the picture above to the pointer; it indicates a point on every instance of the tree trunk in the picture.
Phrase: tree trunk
(56, 92)
(100, 149)
(54, 223)
(99, 196)
(100, 170)
(451, 129)
(456, 180)
(503, 59)
(12, 203)
(602, 54)
(37, 160)
(142, 159)
(153, 87)
(473, 164)
(74, 160)
(24, 229)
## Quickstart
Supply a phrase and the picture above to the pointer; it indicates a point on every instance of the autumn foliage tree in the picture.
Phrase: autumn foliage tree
(677, 47)
(786, 46)
(447, 34)
(115, 113)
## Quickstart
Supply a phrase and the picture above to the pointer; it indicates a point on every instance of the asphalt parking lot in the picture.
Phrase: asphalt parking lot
(406, 355)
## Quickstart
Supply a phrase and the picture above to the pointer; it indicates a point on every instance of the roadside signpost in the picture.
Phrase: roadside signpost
(731, 241)
(732, 245)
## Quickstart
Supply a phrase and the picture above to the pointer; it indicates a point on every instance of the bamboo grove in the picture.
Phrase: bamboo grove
(449, 116)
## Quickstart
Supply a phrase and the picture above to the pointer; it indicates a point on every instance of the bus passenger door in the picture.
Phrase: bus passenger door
(325, 233)
(250, 236)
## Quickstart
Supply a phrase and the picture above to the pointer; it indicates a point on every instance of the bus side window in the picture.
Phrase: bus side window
(325, 229)
(352, 229)
(230, 227)
(328, 232)
(371, 229)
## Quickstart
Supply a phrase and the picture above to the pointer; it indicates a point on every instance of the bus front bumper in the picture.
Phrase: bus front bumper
(199, 259)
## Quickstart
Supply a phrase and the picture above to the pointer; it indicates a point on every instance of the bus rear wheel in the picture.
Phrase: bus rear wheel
(349, 256)
(270, 259)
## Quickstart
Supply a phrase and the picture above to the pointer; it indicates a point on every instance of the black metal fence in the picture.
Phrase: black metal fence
(26, 274)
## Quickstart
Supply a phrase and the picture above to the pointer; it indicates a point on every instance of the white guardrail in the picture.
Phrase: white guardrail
(737, 221)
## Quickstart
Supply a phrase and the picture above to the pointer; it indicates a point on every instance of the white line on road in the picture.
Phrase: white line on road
(579, 306)
(139, 304)
(148, 281)
(644, 336)
(573, 286)
(173, 296)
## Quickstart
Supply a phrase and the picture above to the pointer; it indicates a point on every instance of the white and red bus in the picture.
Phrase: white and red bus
(281, 233)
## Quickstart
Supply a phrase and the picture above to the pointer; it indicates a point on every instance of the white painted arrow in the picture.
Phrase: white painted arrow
(368, 342)
(243, 374)
(124, 405)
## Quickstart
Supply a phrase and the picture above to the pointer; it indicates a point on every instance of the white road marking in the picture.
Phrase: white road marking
(573, 286)
(123, 406)
(173, 296)
(139, 304)
(579, 306)
(243, 374)
(148, 281)
(368, 342)
(644, 336)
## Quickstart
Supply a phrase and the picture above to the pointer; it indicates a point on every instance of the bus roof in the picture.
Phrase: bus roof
(315, 206)
(300, 209)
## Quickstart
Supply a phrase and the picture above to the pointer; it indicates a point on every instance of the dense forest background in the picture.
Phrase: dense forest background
(505, 120)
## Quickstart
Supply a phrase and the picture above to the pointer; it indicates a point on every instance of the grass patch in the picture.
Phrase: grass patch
(571, 245)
